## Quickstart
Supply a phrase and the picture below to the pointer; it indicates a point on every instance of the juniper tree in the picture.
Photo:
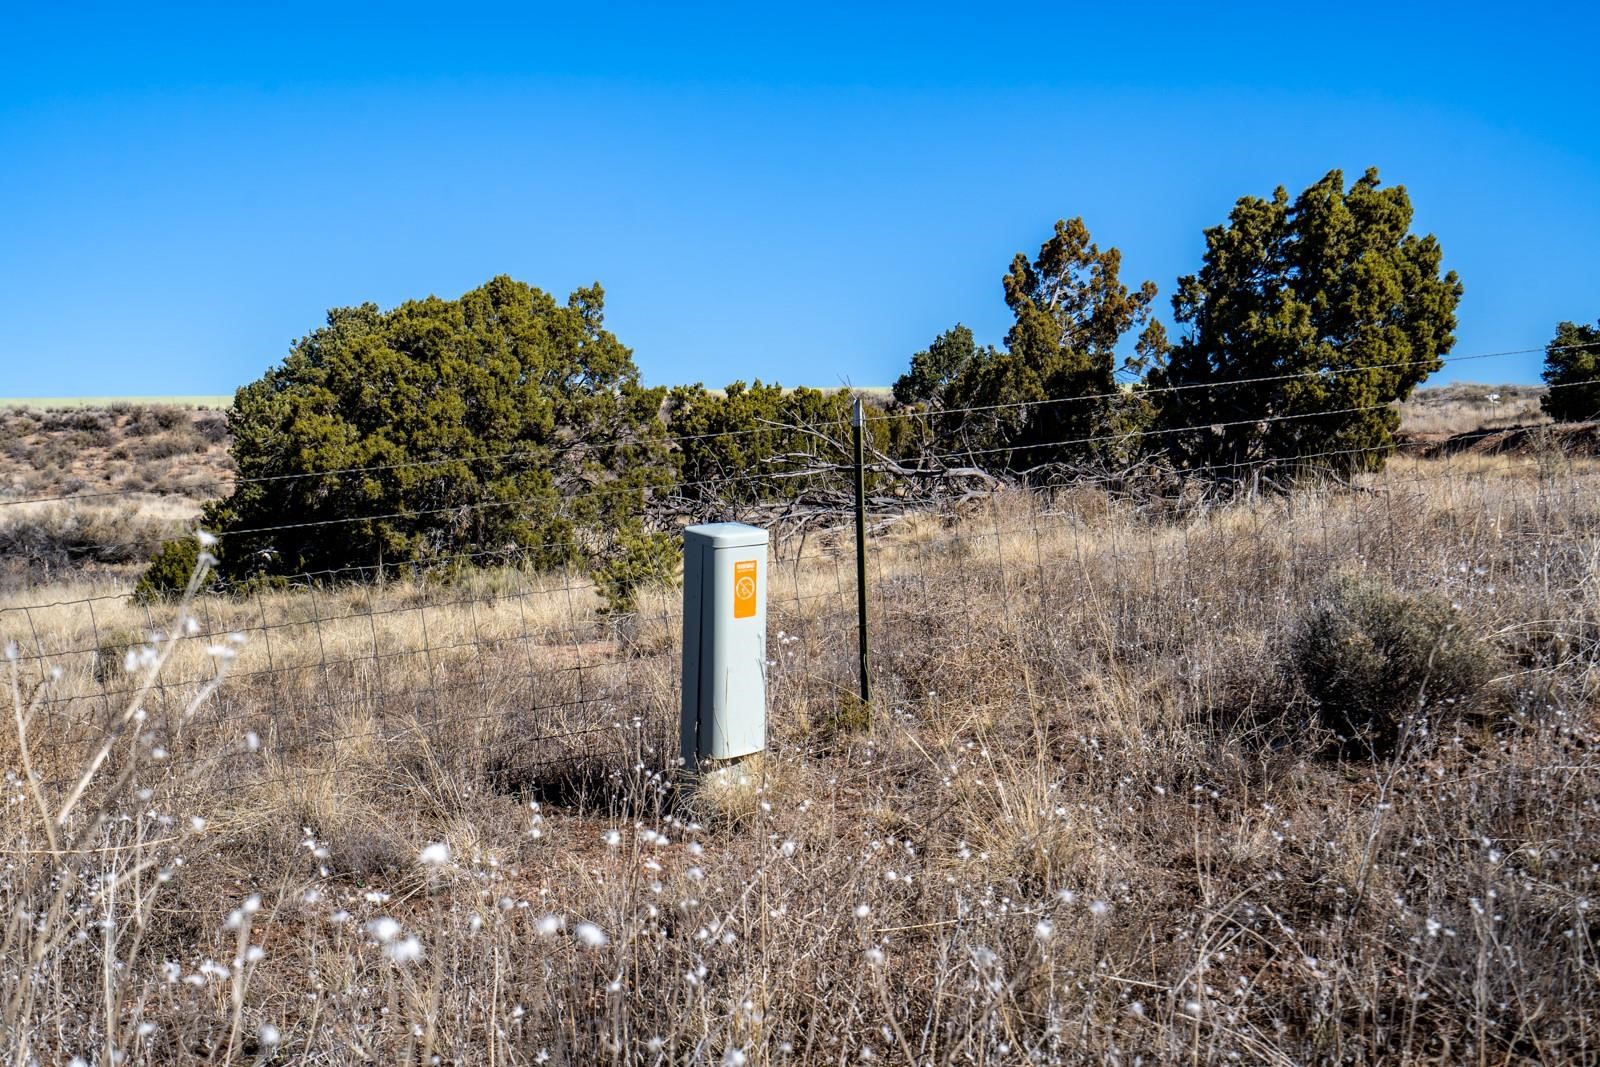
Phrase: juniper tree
(1572, 370)
(1052, 394)
(1331, 298)
(938, 367)
(754, 443)
(500, 427)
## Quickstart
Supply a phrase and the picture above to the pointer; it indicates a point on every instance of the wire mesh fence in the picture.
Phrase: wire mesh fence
(1083, 705)
(975, 592)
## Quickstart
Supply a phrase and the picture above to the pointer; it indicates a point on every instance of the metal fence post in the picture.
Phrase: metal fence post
(858, 424)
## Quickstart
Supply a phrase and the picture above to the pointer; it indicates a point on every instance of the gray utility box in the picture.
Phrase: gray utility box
(724, 642)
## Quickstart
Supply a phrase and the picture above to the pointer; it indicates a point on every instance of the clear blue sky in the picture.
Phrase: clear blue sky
(802, 194)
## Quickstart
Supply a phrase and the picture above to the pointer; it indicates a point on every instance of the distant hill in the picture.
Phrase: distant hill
(59, 402)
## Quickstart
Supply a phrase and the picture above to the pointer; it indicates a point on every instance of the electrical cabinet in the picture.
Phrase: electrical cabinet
(724, 642)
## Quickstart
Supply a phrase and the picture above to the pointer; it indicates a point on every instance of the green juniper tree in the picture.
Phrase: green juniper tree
(1572, 370)
(751, 444)
(938, 367)
(1052, 395)
(1333, 297)
(501, 427)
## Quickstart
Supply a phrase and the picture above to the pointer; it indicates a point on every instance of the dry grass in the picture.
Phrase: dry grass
(1089, 819)
(1466, 408)
(88, 489)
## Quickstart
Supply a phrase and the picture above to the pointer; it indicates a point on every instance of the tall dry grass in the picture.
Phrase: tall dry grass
(1090, 817)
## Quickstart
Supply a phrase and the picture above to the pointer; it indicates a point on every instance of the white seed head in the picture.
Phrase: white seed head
(407, 951)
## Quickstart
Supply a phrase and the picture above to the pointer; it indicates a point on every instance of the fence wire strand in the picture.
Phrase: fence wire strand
(520, 674)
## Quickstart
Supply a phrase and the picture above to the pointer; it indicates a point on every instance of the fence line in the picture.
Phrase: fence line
(561, 504)
(907, 599)
(674, 439)
(1086, 566)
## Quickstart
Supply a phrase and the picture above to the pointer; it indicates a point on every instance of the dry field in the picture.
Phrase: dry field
(94, 489)
(1464, 408)
(1091, 818)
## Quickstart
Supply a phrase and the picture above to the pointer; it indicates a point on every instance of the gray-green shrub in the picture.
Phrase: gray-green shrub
(1374, 658)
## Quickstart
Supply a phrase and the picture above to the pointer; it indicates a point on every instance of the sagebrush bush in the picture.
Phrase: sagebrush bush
(56, 538)
(1373, 657)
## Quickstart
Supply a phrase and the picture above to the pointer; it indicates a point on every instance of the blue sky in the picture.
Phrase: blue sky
(806, 194)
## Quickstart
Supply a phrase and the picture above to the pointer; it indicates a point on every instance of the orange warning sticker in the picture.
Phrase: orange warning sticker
(744, 589)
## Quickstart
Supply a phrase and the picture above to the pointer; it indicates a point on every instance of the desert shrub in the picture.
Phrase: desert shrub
(168, 574)
(730, 443)
(1373, 658)
(56, 538)
(54, 453)
(150, 421)
(212, 426)
(96, 437)
(643, 557)
(165, 446)
(59, 421)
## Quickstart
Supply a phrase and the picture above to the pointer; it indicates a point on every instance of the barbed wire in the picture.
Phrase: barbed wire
(264, 628)
(1239, 469)
(564, 503)
(1158, 390)
(363, 699)
(769, 428)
